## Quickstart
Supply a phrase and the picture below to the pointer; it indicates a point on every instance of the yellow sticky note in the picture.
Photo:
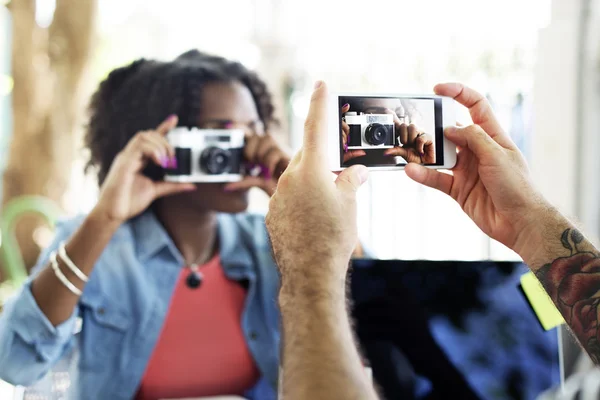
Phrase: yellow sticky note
(544, 308)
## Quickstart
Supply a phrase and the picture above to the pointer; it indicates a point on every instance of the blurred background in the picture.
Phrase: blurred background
(536, 61)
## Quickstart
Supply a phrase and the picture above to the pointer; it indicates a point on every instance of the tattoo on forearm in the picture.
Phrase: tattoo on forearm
(573, 283)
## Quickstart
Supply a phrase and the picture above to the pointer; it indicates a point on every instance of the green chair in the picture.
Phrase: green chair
(54, 385)
(10, 253)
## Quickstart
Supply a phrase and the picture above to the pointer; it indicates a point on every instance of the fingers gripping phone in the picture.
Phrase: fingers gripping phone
(386, 132)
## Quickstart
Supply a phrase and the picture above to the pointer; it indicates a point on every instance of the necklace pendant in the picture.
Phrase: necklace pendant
(194, 279)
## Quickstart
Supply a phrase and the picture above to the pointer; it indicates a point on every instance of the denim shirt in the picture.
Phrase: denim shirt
(123, 308)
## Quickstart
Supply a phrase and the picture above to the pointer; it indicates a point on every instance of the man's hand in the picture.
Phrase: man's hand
(312, 218)
(491, 183)
(312, 224)
(490, 180)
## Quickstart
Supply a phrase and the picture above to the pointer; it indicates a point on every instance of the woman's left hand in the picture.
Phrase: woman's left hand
(417, 146)
(262, 151)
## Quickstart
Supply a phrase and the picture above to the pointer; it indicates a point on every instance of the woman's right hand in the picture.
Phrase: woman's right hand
(348, 154)
(127, 192)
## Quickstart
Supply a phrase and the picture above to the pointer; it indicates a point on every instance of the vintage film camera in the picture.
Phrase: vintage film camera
(369, 131)
(206, 155)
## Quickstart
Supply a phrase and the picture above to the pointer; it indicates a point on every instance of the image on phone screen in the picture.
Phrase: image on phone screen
(390, 131)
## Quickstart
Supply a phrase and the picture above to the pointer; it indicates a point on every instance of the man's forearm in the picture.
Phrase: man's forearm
(320, 358)
(568, 266)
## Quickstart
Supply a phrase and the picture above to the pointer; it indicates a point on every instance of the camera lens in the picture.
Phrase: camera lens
(215, 160)
(376, 134)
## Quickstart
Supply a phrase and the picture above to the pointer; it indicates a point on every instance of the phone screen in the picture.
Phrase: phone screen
(390, 131)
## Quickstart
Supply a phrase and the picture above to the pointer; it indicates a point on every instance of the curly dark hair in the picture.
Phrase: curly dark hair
(141, 95)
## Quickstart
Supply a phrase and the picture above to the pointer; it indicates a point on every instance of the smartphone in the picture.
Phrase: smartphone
(386, 132)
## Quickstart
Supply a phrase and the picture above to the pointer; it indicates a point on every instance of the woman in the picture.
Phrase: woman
(180, 298)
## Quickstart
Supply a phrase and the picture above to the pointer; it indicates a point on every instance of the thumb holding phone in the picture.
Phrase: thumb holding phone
(491, 179)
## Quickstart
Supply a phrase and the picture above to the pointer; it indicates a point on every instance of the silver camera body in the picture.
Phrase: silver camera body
(369, 131)
(206, 155)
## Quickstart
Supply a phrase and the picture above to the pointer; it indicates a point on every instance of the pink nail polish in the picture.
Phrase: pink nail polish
(345, 148)
(346, 105)
(174, 162)
(172, 117)
(164, 162)
(318, 84)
